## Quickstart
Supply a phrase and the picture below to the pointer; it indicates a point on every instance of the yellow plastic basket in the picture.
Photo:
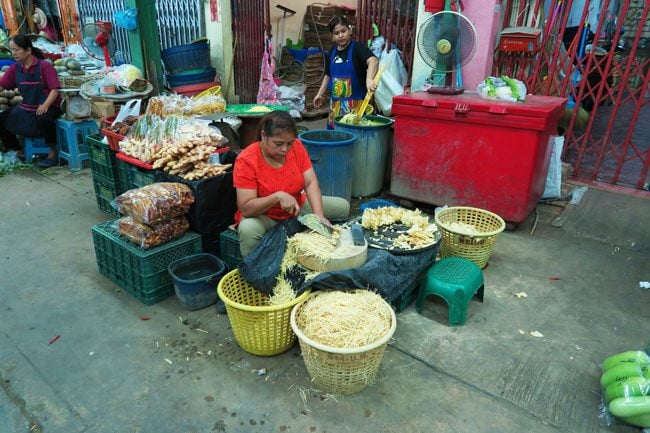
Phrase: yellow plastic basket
(259, 328)
(476, 246)
(212, 91)
(337, 370)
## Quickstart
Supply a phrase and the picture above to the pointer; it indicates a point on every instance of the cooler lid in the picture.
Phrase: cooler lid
(534, 106)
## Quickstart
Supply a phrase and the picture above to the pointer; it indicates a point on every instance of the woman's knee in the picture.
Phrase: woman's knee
(250, 232)
(336, 207)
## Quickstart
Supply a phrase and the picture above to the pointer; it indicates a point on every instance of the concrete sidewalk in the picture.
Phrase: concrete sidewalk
(108, 371)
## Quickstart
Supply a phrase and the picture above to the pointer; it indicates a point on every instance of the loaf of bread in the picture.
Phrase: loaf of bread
(157, 202)
(147, 236)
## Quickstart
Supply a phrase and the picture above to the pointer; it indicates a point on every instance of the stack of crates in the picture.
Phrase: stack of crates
(140, 272)
(103, 165)
(131, 176)
(229, 246)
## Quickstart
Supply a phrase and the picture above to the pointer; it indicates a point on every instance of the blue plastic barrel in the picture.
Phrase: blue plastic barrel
(195, 279)
(370, 154)
(331, 155)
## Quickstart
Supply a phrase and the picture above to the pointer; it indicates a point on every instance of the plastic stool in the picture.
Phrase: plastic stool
(456, 280)
(70, 139)
(34, 146)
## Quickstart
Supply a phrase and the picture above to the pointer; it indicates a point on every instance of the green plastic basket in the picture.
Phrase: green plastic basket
(140, 272)
(253, 110)
(132, 176)
(229, 246)
(102, 158)
(105, 192)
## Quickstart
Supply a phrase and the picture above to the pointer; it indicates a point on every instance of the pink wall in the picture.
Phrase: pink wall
(486, 17)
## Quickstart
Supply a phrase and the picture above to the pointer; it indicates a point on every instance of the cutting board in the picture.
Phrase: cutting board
(346, 256)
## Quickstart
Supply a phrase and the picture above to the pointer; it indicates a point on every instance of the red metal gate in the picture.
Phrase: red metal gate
(396, 20)
(607, 140)
(251, 25)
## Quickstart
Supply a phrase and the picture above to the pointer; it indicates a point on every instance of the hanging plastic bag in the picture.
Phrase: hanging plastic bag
(392, 80)
(268, 91)
(126, 19)
(131, 108)
(553, 187)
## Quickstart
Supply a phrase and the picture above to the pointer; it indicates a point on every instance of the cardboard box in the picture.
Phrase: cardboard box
(102, 109)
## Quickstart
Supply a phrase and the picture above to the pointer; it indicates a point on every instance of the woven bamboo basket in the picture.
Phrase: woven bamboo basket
(341, 370)
(476, 247)
(259, 328)
(74, 81)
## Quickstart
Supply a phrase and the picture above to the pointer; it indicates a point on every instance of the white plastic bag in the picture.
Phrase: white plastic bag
(131, 108)
(502, 88)
(392, 80)
(554, 178)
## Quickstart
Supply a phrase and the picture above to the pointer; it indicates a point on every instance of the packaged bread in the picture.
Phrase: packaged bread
(154, 203)
(147, 236)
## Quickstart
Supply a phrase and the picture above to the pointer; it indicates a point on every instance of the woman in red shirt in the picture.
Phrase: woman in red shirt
(274, 179)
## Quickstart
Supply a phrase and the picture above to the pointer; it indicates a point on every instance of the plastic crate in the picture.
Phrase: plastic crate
(102, 158)
(186, 57)
(105, 192)
(142, 273)
(113, 139)
(131, 176)
(407, 297)
(229, 245)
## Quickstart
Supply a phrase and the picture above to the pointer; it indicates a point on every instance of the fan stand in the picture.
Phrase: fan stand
(445, 90)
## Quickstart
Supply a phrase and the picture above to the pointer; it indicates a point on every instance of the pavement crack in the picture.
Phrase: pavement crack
(20, 403)
(474, 387)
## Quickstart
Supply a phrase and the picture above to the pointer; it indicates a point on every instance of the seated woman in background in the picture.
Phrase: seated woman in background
(39, 86)
(275, 180)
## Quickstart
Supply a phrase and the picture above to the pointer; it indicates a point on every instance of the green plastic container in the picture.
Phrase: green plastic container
(229, 246)
(143, 273)
(105, 192)
(131, 176)
(370, 154)
(102, 158)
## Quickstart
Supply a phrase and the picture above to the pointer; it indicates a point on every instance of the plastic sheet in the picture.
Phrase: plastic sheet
(156, 202)
(390, 275)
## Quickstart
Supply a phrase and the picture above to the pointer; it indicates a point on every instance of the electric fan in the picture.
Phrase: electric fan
(446, 42)
(97, 41)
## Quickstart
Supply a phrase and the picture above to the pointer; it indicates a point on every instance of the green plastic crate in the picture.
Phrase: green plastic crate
(102, 158)
(409, 295)
(140, 272)
(131, 176)
(105, 192)
(229, 246)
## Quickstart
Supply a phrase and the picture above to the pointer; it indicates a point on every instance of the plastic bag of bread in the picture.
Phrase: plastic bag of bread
(156, 202)
(147, 236)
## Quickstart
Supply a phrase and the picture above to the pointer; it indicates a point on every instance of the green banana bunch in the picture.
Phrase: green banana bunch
(626, 386)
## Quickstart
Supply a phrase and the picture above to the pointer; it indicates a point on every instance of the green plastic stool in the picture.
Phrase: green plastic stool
(456, 280)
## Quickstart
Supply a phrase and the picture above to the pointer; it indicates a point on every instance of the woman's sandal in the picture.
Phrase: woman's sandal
(47, 163)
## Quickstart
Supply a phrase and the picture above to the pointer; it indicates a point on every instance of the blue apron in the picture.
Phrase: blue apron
(22, 119)
(344, 84)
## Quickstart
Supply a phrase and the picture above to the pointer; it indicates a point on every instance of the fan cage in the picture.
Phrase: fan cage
(90, 30)
(431, 32)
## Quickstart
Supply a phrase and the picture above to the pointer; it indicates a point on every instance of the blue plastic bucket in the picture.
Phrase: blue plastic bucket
(206, 76)
(370, 154)
(195, 279)
(331, 155)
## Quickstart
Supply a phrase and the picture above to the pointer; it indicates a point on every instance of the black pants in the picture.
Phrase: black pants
(46, 123)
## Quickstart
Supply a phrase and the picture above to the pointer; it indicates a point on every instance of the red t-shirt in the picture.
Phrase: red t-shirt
(253, 172)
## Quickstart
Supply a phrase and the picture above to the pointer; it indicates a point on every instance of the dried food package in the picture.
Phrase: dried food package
(147, 236)
(156, 202)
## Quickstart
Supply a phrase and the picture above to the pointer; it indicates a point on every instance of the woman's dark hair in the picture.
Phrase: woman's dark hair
(25, 43)
(276, 121)
(335, 21)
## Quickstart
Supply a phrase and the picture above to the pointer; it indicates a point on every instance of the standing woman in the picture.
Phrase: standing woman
(39, 86)
(351, 67)
(275, 180)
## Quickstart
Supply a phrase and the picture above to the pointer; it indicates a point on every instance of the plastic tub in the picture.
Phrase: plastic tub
(331, 155)
(206, 76)
(192, 89)
(370, 154)
(186, 57)
(196, 278)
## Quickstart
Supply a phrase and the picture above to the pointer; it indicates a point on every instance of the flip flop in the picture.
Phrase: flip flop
(47, 163)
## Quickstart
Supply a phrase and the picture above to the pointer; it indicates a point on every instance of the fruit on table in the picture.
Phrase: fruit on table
(632, 410)
(634, 386)
(73, 64)
(620, 372)
(631, 356)
(59, 62)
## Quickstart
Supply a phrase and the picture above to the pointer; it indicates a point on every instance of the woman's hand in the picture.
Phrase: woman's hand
(42, 109)
(370, 85)
(318, 100)
(288, 203)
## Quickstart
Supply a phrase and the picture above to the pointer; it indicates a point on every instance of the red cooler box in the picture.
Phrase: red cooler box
(463, 150)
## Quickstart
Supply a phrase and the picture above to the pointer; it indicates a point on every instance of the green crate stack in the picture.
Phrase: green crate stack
(229, 245)
(131, 176)
(103, 165)
(140, 272)
(407, 297)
